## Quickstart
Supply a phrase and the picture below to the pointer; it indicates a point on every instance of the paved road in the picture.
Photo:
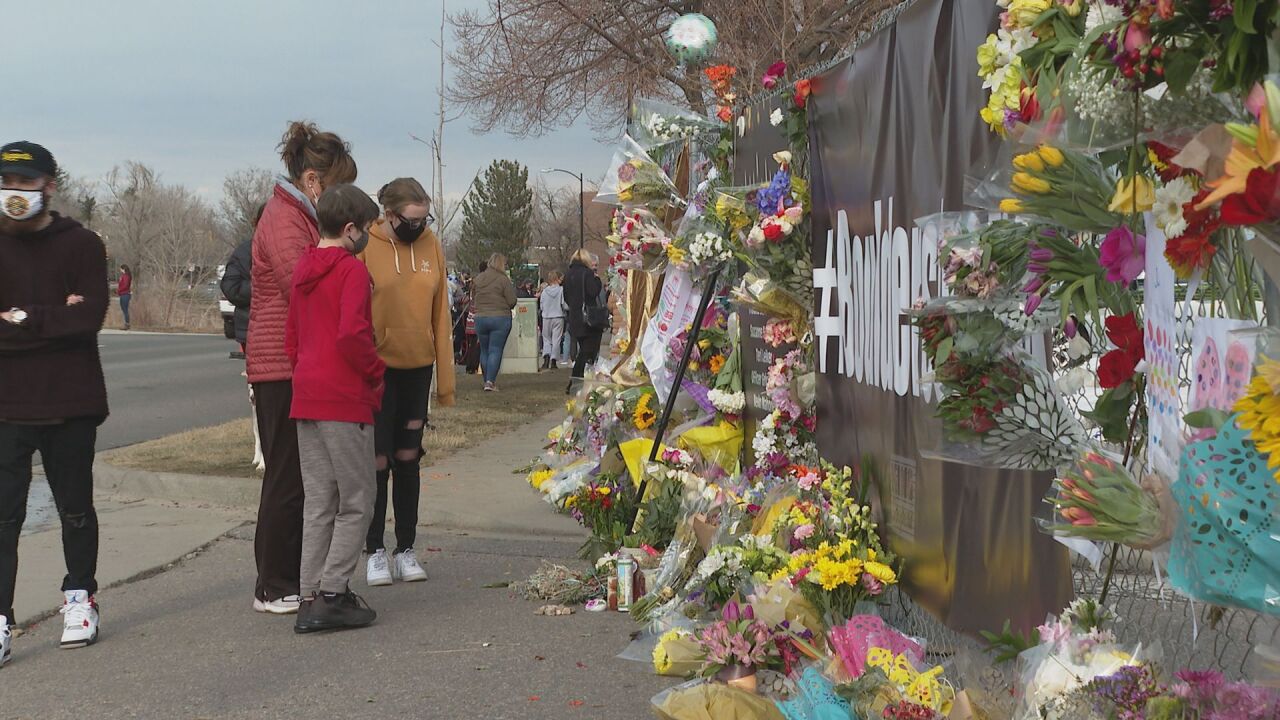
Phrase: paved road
(158, 385)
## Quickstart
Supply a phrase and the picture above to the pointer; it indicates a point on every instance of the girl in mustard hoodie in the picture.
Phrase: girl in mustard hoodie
(413, 330)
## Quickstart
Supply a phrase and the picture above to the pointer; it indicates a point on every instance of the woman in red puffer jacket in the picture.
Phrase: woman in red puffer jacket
(314, 160)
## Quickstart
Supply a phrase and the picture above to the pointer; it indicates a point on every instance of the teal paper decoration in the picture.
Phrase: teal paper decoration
(815, 699)
(691, 38)
(1226, 549)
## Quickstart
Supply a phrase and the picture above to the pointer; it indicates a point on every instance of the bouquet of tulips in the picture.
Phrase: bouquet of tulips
(1097, 499)
(1063, 186)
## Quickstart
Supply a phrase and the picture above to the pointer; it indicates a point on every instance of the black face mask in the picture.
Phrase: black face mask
(407, 234)
(359, 244)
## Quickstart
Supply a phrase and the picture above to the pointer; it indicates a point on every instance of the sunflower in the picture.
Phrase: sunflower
(716, 363)
(1259, 410)
(643, 417)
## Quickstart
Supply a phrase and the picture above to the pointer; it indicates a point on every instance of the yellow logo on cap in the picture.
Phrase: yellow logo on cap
(16, 156)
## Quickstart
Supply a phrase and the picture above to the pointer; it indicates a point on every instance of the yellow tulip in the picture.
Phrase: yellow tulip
(1028, 183)
(1011, 206)
(1133, 194)
(1052, 156)
(1030, 161)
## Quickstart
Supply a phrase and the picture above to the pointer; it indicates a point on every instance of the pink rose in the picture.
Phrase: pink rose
(804, 532)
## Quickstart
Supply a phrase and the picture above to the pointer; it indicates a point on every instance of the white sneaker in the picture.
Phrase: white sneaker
(79, 619)
(5, 635)
(407, 567)
(284, 606)
(378, 570)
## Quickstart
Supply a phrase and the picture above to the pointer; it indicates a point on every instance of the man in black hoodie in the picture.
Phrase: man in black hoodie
(53, 300)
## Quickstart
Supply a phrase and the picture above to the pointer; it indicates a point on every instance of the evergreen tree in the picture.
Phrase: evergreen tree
(496, 216)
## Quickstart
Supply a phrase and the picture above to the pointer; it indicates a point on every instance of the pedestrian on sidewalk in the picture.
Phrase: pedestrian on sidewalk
(552, 304)
(495, 297)
(337, 388)
(124, 291)
(53, 280)
(587, 314)
(413, 326)
(314, 160)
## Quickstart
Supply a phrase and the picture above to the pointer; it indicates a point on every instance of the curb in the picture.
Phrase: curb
(131, 483)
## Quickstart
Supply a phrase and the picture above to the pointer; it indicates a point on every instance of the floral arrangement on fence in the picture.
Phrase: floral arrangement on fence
(638, 241)
(1098, 499)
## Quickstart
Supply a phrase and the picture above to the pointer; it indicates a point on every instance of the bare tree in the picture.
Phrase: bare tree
(131, 212)
(554, 226)
(76, 198)
(243, 192)
(531, 65)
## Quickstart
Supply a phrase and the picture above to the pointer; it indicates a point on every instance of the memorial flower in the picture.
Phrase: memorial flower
(1123, 254)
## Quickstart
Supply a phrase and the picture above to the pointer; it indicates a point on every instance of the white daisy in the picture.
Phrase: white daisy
(1168, 206)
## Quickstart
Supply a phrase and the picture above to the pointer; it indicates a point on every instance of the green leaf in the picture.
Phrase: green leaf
(1211, 418)
(944, 351)
(1179, 66)
(1243, 12)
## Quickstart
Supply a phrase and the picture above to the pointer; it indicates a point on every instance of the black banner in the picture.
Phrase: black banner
(893, 133)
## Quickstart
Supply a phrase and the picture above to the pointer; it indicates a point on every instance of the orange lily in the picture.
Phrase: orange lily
(1243, 160)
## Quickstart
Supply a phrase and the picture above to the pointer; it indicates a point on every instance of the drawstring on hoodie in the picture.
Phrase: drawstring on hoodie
(396, 252)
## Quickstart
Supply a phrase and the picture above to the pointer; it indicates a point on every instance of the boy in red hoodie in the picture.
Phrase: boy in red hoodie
(337, 387)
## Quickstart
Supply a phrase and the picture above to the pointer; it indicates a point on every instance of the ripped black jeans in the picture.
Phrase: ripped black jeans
(66, 449)
(397, 435)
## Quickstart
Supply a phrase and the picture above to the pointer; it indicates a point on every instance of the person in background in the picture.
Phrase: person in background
(413, 326)
(495, 297)
(582, 288)
(552, 302)
(54, 295)
(314, 160)
(124, 291)
(337, 388)
(237, 285)
(525, 291)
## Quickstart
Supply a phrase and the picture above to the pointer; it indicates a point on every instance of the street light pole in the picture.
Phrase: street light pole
(582, 204)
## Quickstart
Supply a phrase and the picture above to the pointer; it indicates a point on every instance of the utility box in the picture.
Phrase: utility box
(521, 353)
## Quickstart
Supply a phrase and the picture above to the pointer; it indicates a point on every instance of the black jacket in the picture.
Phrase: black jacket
(237, 288)
(580, 286)
(49, 365)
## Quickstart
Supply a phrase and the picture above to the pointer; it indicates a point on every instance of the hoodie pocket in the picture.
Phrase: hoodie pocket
(407, 347)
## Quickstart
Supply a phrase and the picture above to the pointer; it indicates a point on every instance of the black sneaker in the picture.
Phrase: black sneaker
(301, 623)
(335, 612)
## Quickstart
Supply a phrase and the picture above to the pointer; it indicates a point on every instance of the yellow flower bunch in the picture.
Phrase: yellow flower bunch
(677, 654)
(1259, 412)
(1005, 94)
(643, 417)
(538, 478)
(675, 254)
(1068, 188)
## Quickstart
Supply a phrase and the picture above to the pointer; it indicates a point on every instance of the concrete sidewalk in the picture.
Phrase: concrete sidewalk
(135, 538)
(150, 519)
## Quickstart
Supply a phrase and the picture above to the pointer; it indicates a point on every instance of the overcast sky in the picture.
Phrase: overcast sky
(200, 88)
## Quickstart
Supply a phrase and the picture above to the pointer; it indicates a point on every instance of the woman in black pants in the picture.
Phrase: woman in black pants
(583, 288)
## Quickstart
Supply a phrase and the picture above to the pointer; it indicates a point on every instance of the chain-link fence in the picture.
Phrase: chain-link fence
(1189, 634)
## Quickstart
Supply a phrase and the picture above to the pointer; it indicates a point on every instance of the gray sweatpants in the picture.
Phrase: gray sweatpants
(338, 476)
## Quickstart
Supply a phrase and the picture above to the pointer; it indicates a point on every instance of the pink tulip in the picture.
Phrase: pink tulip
(1069, 328)
(1033, 302)
(1257, 100)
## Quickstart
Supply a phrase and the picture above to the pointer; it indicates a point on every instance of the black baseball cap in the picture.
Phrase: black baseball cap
(27, 159)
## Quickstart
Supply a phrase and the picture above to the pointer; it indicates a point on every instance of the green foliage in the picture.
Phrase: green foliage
(658, 516)
(1007, 644)
(496, 216)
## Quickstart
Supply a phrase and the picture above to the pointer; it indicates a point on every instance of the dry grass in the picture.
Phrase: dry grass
(225, 450)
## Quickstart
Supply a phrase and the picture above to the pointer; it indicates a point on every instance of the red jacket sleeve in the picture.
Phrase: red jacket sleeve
(355, 324)
(289, 238)
(291, 332)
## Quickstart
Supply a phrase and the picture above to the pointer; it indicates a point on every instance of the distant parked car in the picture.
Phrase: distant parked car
(225, 307)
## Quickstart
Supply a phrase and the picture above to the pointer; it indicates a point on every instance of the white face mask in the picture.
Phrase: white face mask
(21, 204)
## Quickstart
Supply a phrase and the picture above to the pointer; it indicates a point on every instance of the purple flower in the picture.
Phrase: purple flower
(1123, 254)
(1037, 268)
(731, 612)
(1034, 285)
(627, 172)
(1041, 255)
(1069, 328)
(1033, 302)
